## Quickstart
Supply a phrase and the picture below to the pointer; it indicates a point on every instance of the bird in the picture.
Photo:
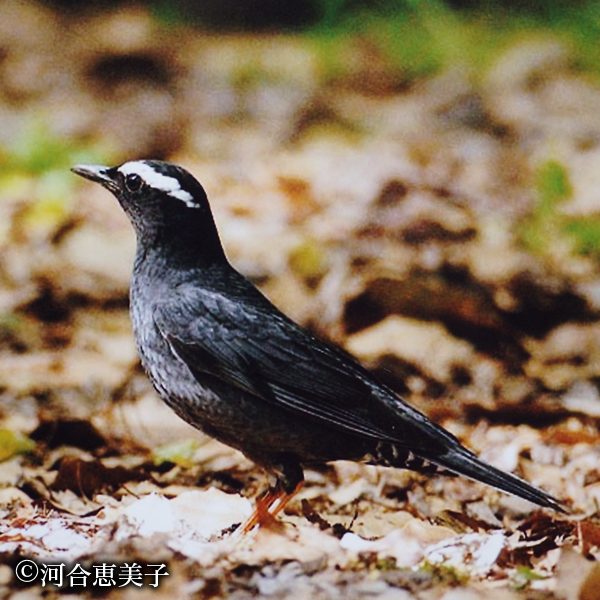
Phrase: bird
(231, 364)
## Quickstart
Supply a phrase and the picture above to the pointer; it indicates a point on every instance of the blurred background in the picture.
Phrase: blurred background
(416, 180)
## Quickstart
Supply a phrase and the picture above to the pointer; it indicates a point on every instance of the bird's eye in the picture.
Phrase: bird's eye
(133, 182)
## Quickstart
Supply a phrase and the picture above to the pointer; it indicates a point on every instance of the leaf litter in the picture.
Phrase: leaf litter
(388, 223)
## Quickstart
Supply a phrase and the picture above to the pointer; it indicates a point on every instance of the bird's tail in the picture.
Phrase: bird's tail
(463, 462)
(457, 460)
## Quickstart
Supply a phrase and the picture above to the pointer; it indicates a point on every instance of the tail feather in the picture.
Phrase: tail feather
(457, 460)
(461, 461)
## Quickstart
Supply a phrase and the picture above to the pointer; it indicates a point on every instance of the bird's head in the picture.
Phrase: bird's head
(160, 199)
(151, 192)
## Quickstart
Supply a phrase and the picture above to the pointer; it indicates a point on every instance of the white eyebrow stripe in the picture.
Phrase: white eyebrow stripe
(158, 181)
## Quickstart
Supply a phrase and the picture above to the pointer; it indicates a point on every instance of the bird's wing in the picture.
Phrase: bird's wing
(251, 346)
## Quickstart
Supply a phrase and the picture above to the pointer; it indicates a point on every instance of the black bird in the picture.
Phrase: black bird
(230, 363)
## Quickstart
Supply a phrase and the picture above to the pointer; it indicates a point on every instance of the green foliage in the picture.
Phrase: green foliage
(525, 575)
(13, 443)
(585, 235)
(308, 261)
(553, 186)
(36, 166)
(444, 575)
(331, 12)
(180, 452)
(385, 564)
(413, 42)
(418, 43)
(544, 224)
(420, 37)
(37, 150)
(167, 13)
(547, 223)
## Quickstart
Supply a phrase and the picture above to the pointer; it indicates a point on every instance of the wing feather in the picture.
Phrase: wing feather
(264, 353)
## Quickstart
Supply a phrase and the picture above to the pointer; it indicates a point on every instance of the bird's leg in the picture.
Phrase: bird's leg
(289, 481)
(268, 506)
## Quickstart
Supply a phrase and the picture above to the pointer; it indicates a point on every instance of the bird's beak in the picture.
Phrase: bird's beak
(102, 175)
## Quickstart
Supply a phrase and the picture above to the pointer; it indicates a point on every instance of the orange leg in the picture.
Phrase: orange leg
(267, 508)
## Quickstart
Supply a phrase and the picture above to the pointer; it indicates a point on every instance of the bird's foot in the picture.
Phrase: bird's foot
(267, 508)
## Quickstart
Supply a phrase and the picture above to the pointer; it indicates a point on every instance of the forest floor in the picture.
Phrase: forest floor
(447, 233)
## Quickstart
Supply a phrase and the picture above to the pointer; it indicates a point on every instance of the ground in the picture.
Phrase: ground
(444, 232)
